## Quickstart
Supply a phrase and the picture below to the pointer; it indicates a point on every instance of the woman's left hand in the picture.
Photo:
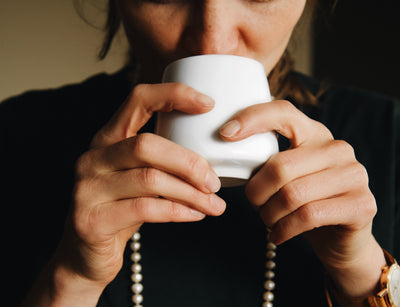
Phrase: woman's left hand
(316, 188)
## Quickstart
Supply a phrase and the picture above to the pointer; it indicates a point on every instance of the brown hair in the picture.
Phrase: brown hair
(111, 28)
(284, 82)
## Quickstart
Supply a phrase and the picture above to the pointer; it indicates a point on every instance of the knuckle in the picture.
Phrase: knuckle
(100, 136)
(253, 197)
(149, 177)
(193, 195)
(323, 132)
(371, 207)
(363, 209)
(291, 196)
(138, 91)
(195, 165)
(85, 221)
(140, 145)
(367, 204)
(84, 164)
(344, 148)
(137, 98)
(141, 208)
(82, 191)
(360, 173)
(181, 90)
(177, 91)
(174, 211)
(279, 167)
(80, 225)
(310, 216)
(287, 106)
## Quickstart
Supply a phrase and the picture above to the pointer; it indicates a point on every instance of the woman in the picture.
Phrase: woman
(316, 187)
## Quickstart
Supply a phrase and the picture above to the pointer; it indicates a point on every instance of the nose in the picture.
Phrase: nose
(212, 28)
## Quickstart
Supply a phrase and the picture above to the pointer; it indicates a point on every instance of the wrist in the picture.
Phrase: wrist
(360, 278)
(387, 295)
(59, 286)
(67, 286)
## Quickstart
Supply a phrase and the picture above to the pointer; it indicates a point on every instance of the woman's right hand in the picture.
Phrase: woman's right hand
(127, 178)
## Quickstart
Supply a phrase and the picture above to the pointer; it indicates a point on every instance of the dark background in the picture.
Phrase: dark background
(359, 44)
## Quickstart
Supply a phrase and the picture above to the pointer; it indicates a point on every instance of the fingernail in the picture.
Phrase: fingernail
(213, 183)
(205, 100)
(197, 214)
(230, 128)
(218, 203)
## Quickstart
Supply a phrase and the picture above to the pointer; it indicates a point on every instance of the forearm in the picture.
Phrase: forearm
(58, 286)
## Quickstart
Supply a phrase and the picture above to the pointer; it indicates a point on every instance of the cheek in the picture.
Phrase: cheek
(270, 33)
(148, 32)
(269, 45)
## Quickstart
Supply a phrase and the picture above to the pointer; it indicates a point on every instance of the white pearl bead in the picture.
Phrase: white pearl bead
(136, 236)
(271, 246)
(136, 277)
(270, 265)
(137, 288)
(267, 304)
(268, 296)
(270, 254)
(269, 285)
(135, 257)
(137, 298)
(135, 246)
(269, 274)
(136, 267)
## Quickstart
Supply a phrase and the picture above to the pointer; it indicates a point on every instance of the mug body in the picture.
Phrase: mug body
(234, 83)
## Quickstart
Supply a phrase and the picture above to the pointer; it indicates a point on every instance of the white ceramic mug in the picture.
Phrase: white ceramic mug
(234, 83)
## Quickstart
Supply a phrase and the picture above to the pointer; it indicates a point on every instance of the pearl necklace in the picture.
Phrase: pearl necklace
(136, 269)
(270, 265)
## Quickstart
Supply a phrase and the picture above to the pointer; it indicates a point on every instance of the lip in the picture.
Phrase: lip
(173, 58)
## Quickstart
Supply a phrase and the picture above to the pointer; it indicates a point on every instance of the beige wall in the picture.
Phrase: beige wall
(44, 43)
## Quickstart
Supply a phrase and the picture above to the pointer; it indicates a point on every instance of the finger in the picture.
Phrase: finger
(142, 102)
(150, 182)
(123, 214)
(280, 116)
(149, 150)
(352, 211)
(288, 165)
(307, 189)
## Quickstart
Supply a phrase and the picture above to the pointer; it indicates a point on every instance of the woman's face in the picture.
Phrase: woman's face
(160, 31)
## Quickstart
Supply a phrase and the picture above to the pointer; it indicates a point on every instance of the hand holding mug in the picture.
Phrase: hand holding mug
(316, 188)
(126, 179)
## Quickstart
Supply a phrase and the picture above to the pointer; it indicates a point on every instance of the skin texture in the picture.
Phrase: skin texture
(161, 33)
(316, 188)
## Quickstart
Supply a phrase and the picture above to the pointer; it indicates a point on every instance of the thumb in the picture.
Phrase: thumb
(142, 102)
(280, 116)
